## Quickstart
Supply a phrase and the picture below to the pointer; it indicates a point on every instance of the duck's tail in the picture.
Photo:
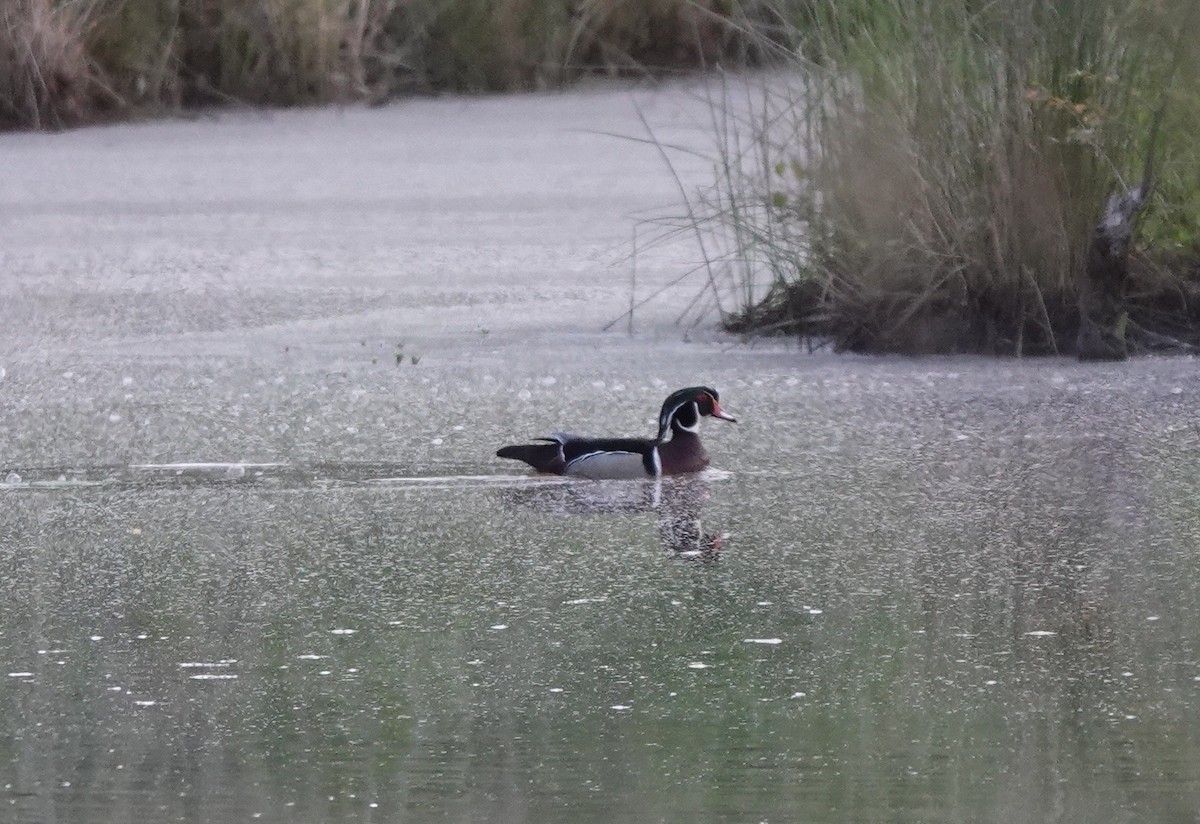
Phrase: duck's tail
(544, 457)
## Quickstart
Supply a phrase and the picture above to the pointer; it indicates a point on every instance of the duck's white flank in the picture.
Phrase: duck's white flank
(606, 465)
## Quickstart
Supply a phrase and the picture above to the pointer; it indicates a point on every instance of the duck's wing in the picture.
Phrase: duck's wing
(611, 458)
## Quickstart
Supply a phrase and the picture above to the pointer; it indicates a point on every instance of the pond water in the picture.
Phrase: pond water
(939, 591)
(261, 564)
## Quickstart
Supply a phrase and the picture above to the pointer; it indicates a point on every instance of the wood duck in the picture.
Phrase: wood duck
(605, 458)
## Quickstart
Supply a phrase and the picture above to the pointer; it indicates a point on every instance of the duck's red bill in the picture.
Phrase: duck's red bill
(718, 412)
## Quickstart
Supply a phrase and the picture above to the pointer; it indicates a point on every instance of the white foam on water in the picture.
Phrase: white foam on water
(206, 465)
(459, 481)
(204, 664)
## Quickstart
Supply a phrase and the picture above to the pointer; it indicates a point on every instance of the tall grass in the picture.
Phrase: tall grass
(45, 76)
(64, 61)
(927, 176)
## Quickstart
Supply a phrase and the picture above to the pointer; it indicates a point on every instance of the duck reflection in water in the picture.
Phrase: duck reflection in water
(677, 503)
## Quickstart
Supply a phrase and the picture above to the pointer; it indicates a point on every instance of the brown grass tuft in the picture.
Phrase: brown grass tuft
(46, 78)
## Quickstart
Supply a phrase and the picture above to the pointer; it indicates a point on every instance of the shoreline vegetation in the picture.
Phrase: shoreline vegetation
(910, 176)
(950, 176)
(71, 62)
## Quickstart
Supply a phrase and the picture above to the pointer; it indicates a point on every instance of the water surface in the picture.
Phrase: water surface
(259, 562)
(905, 596)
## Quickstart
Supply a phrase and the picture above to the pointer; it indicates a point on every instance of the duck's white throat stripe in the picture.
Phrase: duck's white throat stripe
(695, 427)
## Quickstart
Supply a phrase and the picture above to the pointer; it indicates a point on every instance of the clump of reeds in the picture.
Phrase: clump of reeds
(928, 177)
